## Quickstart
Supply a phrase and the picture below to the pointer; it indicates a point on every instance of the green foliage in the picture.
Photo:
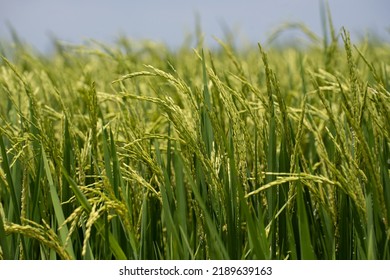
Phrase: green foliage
(138, 152)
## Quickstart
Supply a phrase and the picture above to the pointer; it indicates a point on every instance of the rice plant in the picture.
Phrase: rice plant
(135, 151)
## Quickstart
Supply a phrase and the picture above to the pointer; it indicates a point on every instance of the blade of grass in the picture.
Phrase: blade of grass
(306, 247)
(57, 207)
(4, 240)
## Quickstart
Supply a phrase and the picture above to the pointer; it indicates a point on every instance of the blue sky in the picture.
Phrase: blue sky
(170, 20)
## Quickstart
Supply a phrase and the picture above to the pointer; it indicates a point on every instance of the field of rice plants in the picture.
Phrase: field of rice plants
(136, 151)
